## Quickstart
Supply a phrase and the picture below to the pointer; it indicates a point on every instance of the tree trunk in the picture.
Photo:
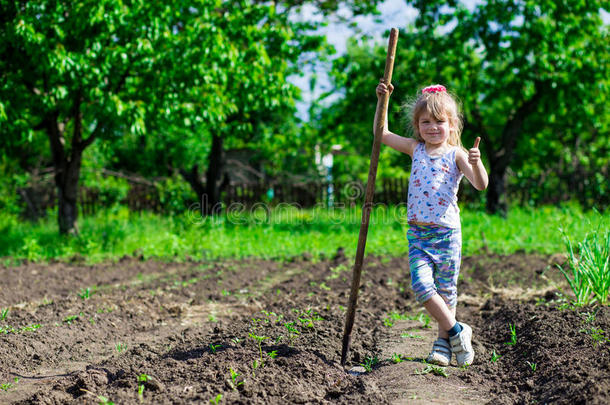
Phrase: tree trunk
(67, 196)
(212, 176)
(500, 160)
(496, 192)
(208, 194)
(67, 168)
(194, 180)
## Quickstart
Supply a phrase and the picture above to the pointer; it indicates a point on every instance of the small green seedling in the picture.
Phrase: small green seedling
(494, 356)
(234, 382)
(141, 380)
(532, 366)
(597, 334)
(104, 401)
(259, 340)
(398, 316)
(70, 319)
(216, 400)
(434, 369)
(8, 386)
(293, 332)
(85, 293)
(120, 347)
(3, 314)
(369, 363)
(590, 316)
(272, 354)
(513, 334)
(397, 358)
(6, 329)
(214, 348)
(425, 320)
(255, 364)
(410, 336)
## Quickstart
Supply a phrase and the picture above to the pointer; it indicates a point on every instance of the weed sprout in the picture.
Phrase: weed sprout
(369, 363)
(292, 332)
(410, 335)
(71, 318)
(8, 386)
(425, 320)
(104, 401)
(234, 382)
(259, 340)
(141, 380)
(434, 369)
(85, 293)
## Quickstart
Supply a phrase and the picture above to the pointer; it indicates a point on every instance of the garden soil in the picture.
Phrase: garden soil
(269, 332)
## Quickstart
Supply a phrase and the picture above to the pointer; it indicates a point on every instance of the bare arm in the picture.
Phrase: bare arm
(470, 164)
(400, 143)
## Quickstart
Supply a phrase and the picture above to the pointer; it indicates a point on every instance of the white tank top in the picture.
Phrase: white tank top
(433, 187)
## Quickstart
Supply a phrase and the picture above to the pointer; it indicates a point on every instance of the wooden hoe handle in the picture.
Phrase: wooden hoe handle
(380, 113)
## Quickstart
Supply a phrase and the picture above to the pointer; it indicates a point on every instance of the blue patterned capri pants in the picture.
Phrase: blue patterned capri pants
(435, 253)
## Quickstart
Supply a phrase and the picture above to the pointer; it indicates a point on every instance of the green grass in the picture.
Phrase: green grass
(285, 233)
(588, 269)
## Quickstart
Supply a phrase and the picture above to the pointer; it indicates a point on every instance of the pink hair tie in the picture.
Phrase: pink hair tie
(437, 88)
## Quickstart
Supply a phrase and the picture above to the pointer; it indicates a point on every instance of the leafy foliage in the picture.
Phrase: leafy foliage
(531, 81)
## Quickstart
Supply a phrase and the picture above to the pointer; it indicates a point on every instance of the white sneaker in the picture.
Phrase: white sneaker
(461, 346)
(440, 354)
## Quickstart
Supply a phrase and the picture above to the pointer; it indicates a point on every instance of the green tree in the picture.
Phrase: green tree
(524, 70)
(74, 72)
(183, 71)
(245, 100)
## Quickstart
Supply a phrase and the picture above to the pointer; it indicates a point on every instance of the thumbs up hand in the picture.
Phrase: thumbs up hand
(474, 154)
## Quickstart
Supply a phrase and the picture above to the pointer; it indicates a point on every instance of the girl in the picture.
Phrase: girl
(434, 235)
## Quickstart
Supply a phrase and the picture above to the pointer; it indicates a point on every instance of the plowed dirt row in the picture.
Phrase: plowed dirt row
(259, 332)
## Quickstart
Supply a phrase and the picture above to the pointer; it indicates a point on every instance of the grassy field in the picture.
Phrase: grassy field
(281, 233)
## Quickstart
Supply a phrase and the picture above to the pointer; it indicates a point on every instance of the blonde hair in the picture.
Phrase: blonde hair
(441, 105)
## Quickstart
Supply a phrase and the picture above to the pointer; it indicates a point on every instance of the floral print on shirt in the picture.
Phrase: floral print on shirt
(433, 187)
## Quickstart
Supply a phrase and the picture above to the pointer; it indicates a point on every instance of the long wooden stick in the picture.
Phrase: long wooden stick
(380, 113)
